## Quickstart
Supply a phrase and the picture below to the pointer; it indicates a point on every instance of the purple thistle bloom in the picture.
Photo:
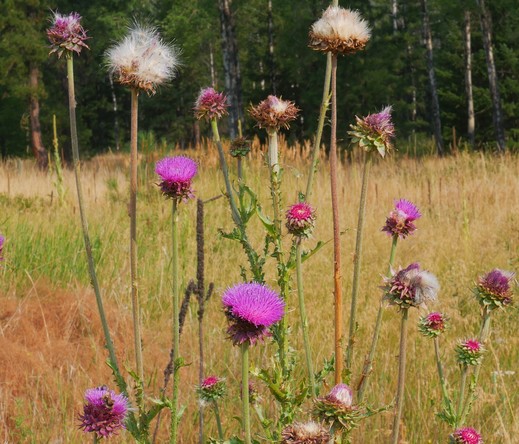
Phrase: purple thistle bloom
(374, 131)
(2, 241)
(176, 174)
(210, 104)
(495, 289)
(469, 352)
(400, 220)
(211, 389)
(104, 412)
(466, 435)
(337, 409)
(67, 34)
(300, 219)
(342, 394)
(251, 309)
(433, 324)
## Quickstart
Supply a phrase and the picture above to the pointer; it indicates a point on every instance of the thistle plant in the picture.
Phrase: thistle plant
(310, 432)
(338, 31)
(240, 147)
(209, 392)
(2, 242)
(465, 435)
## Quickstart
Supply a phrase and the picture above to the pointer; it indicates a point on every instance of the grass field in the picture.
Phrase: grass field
(51, 344)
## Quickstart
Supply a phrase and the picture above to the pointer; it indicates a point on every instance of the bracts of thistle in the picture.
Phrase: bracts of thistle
(176, 175)
(465, 435)
(373, 133)
(338, 31)
(309, 432)
(209, 392)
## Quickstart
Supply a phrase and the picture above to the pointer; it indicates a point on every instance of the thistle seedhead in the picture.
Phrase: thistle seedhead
(305, 433)
(433, 324)
(374, 132)
(495, 289)
(210, 104)
(66, 34)
(176, 174)
(465, 435)
(400, 221)
(274, 113)
(300, 220)
(469, 352)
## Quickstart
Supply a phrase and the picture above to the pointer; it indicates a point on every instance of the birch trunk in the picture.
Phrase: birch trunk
(471, 122)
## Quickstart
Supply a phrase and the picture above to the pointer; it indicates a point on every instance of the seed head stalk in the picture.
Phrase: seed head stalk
(401, 377)
(245, 392)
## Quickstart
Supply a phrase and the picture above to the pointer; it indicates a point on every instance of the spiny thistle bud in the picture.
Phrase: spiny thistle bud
(469, 352)
(104, 412)
(66, 34)
(300, 220)
(374, 132)
(274, 113)
(433, 324)
(142, 60)
(251, 309)
(466, 435)
(400, 220)
(176, 174)
(305, 433)
(240, 147)
(339, 31)
(2, 241)
(337, 409)
(411, 287)
(211, 390)
(495, 289)
(210, 104)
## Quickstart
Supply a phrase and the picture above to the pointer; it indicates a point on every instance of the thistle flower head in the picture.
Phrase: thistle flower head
(176, 174)
(339, 31)
(66, 34)
(142, 60)
(400, 220)
(210, 104)
(251, 308)
(104, 412)
(211, 389)
(466, 435)
(300, 220)
(274, 113)
(240, 147)
(2, 241)
(305, 433)
(337, 409)
(469, 352)
(433, 324)
(495, 289)
(374, 132)
(411, 287)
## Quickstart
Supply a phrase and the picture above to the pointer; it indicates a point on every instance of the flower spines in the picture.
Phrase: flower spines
(211, 389)
(495, 289)
(210, 104)
(66, 34)
(400, 221)
(337, 409)
(305, 433)
(433, 324)
(300, 220)
(466, 435)
(374, 132)
(176, 174)
(469, 352)
(274, 113)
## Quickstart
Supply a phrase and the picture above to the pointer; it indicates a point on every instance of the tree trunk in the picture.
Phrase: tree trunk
(435, 104)
(116, 116)
(231, 66)
(497, 112)
(394, 15)
(40, 153)
(272, 62)
(471, 123)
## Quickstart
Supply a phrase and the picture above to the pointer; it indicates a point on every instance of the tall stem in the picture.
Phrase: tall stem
(463, 384)
(245, 391)
(401, 377)
(304, 320)
(274, 176)
(357, 260)
(218, 420)
(439, 366)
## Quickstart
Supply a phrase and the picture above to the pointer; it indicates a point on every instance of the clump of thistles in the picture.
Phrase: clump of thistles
(210, 104)
(300, 220)
(66, 34)
(466, 435)
(337, 409)
(305, 433)
(495, 289)
(2, 241)
(411, 287)
(104, 412)
(374, 132)
(251, 309)
(274, 113)
(400, 221)
(339, 31)
(240, 147)
(176, 174)
(469, 352)
(211, 390)
(142, 60)
(433, 324)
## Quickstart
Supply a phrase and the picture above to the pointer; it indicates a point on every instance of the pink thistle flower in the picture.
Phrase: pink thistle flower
(466, 435)
(300, 220)
(104, 412)
(342, 394)
(274, 113)
(2, 241)
(305, 433)
(211, 389)
(374, 132)
(400, 220)
(251, 309)
(210, 104)
(433, 324)
(337, 409)
(495, 288)
(176, 174)
(66, 34)
(469, 352)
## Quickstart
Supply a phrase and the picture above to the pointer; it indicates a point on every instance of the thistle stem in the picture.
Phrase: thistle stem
(274, 177)
(401, 377)
(357, 260)
(439, 366)
(245, 391)
(218, 420)
(463, 383)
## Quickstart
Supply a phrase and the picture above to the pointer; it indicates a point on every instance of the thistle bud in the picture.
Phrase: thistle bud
(300, 220)
(495, 289)
(211, 389)
(433, 324)
(469, 352)
(240, 147)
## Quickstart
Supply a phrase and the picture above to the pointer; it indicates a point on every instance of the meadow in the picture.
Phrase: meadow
(51, 343)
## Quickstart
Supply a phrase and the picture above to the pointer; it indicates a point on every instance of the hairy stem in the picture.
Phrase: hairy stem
(463, 384)
(441, 376)
(176, 326)
(245, 391)
(401, 377)
(218, 420)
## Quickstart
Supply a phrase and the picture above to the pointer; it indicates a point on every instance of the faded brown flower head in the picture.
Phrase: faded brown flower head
(305, 433)
(274, 113)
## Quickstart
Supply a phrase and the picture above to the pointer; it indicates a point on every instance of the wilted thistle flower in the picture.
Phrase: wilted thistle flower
(300, 220)
(66, 34)
(495, 289)
(337, 409)
(466, 435)
(374, 132)
(2, 241)
(305, 433)
(339, 31)
(469, 352)
(251, 308)
(142, 60)
(411, 287)
(274, 113)
(240, 147)
(433, 324)
(211, 390)
(104, 412)
(176, 174)
(210, 104)
(400, 220)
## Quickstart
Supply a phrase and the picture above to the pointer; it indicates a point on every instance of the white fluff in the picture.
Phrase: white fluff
(343, 24)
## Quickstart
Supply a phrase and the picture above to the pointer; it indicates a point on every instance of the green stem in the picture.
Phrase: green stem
(96, 440)
(245, 391)
(368, 364)
(401, 377)
(218, 420)
(463, 384)
(439, 366)
(176, 326)
(304, 320)
(357, 260)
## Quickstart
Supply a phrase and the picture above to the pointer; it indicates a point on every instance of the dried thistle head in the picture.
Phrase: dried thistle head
(309, 432)
(210, 104)
(274, 113)
(337, 410)
(66, 34)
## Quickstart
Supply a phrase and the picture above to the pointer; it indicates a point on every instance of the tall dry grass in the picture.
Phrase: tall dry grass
(52, 346)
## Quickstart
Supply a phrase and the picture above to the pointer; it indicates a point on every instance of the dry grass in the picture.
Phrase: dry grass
(50, 337)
